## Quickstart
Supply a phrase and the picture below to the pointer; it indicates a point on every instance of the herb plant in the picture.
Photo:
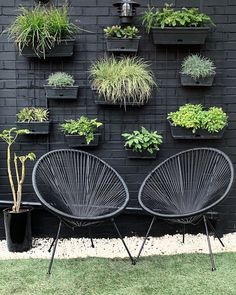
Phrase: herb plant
(60, 80)
(33, 114)
(83, 126)
(143, 140)
(194, 116)
(119, 81)
(128, 32)
(197, 67)
(169, 17)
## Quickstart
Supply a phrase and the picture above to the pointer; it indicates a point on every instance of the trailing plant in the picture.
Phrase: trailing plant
(83, 126)
(143, 140)
(33, 114)
(10, 137)
(197, 66)
(41, 28)
(194, 116)
(60, 80)
(128, 32)
(169, 17)
(119, 81)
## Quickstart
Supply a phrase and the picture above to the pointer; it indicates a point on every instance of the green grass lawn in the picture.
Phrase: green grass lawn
(164, 275)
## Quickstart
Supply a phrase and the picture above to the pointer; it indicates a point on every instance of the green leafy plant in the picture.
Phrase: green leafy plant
(83, 126)
(33, 114)
(194, 116)
(169, 17)
(41, 28)
(128, 32)
(10, 137)
(60, 80)
(143, 140)
(119, 81)
(197, 66)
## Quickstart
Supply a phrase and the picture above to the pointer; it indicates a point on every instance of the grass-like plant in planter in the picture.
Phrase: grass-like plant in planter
(192, 121)
(35, 119)
(126, 81)
(43, 32)
(122, 39)
(81, 132)
(61, 86)
(17, 220)
(142, 144)
(197, 70)
(170, 26)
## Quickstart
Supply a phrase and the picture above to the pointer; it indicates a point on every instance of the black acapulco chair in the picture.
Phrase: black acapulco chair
(80, 189)
(185, 186)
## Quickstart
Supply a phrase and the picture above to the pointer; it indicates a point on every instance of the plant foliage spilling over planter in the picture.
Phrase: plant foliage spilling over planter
(170, 26)
(122, 81)
(192, 121)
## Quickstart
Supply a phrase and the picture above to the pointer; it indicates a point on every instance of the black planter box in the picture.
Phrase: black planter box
(145, 155)
(79, 141)
(63, 49)
(122, 45)
(180, 35)
(202, 82)
(61, 93)
(35, 127)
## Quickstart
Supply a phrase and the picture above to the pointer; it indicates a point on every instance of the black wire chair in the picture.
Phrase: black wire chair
(185, 186)
(80, 189)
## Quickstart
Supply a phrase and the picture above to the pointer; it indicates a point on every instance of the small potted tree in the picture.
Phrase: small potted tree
(124, 82)
(82, 132)
(17, 220)
(122, 39)
(197, 70)
(142, 144)
(170, 26)
(35, 119)
(61, 86)
(192, 121)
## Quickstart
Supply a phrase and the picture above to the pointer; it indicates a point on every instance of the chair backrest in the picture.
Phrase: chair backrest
(78, 185)
(187, 184)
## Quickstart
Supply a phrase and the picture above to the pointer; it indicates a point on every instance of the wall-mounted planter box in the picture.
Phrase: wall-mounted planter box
(145, 155)
(35, 127)
(180, 35)
(79, 141)
(202, 82)
(63, 49)
(122, 45)
(101, 101)
(61, 93)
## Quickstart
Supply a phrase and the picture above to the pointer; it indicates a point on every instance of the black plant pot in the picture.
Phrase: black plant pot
(18, 229)
(201, 82)
(145, 155)
(35, 128)
(79, 141)
(122, 44)
(63, 49)
(180, 35)
(61, 93)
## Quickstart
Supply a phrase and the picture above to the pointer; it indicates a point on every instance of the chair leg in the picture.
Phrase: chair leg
(90, 236)
(183, 233)
(209, 245)
(145, 239)
(120, 236)
(215, 232)
(54, 249)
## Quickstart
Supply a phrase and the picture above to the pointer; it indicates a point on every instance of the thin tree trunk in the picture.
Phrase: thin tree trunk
(11, 178)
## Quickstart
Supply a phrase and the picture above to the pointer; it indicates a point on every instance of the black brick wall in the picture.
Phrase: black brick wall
(21, 85)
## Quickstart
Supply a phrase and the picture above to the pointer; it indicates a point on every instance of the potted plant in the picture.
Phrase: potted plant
(35, 119)
(126, 81)
(170, 26)
(122, 39)
(192, 121)
(61, 86)
(197, 70)
(142, 144)
(17, 220)
(82, 132)
(43, 32)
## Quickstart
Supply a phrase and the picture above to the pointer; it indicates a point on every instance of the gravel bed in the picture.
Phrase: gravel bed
(111, 248)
